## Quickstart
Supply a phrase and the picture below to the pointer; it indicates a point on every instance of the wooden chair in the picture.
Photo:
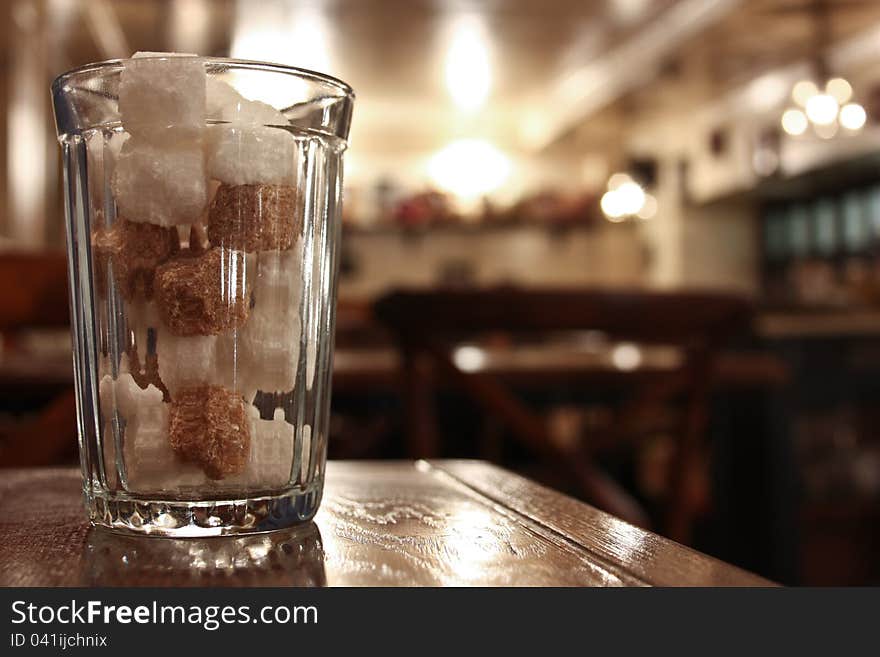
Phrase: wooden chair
(34, 296)
(426, 323)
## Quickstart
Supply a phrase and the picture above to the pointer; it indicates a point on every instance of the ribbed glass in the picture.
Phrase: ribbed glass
(203, 346)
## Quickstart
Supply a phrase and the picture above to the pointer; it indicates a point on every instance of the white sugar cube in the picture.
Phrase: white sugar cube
(162, 91)
(186, 361)
(244, 154)
(225, 104)
(112, 149)
(164, 184)
(271, 454)
(150, 463)
(126, 396)
(266, 348)
(244, 151)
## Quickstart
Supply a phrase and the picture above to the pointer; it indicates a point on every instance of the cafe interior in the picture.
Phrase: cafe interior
(629, 249)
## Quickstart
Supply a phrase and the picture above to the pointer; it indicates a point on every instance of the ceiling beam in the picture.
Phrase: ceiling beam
(583, 90)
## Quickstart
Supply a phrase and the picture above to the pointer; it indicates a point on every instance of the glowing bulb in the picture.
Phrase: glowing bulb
(612, 205)
(822, 109)
(626, 356)
(632, 197)
(794, 122)
(803, 91)
(469, 358)
(840, 89)
(469, 168)
(852, 116)
(468, 74)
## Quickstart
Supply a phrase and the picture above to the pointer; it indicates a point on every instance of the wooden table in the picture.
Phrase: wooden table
(380, 524)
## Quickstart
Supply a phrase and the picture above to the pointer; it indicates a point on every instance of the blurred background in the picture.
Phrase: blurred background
(628, 248)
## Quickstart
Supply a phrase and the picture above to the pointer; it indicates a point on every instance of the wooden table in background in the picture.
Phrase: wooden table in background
(441, 523)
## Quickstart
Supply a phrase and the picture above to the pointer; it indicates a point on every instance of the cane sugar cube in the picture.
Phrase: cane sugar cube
(203, 294)
(163, 184)
(254, 217)
(241, 154)
(158, 91)
(271, 454)
(131, 252)
(209, 427)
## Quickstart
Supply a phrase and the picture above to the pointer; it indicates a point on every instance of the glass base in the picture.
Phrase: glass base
(121, 512)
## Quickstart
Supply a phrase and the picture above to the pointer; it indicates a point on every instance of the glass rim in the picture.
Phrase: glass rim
(294, 71)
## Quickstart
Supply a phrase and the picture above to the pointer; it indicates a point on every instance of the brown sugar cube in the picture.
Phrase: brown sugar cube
(204, 293)
(134, 250)
(254, 217)
(208, 426)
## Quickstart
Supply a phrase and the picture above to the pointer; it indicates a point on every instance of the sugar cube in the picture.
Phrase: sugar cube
(203, 294)
(160, 184)
(158, 91)
(254, 217)
(150, 463)
(241, 154)
(186, 361)
(130, 252)
(244, 150)
(208, 426)
(271, 454)
(266, 347)
(225, 104)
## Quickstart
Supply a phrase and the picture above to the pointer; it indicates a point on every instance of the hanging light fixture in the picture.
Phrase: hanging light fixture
(826, 106)
(626, 199)
(824, 109)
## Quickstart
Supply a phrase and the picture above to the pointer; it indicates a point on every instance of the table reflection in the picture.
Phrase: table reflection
(291, 557)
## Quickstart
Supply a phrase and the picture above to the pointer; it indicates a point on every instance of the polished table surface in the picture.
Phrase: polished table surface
(436, 523)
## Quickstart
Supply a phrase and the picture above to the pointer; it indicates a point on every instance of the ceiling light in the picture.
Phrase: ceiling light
(840, 89)
(626, 198)
(469, 168)
(794, 122)
(612, 205)
(822, 109)
(853, 116)
(468, 73)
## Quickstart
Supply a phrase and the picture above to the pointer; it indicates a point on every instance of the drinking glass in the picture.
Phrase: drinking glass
(202, 202)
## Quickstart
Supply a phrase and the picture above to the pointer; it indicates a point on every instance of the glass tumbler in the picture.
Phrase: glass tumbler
(202, 202)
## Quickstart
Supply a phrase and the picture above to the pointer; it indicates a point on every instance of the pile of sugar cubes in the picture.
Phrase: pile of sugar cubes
(206, 255)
